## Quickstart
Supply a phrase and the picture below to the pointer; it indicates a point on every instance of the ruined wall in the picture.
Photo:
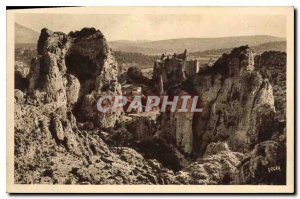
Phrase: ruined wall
(171, 71)
(168, 73)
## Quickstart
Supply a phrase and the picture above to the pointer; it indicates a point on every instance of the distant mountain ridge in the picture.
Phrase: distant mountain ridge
(258, 49)
(25, 35)
(131, 41)
(192, 44)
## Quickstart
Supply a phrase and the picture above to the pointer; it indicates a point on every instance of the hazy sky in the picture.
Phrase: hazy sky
(158, 27)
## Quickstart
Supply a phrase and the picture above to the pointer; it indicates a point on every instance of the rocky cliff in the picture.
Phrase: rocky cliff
(61, 138)
(75, 70)
(238, 103)
(238, 109)
(272, 65)
(65, 80)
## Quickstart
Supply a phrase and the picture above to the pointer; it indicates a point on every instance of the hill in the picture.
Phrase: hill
(258, 49)
(24, 35)
(25, 52)
(134, 59)
(192, 44)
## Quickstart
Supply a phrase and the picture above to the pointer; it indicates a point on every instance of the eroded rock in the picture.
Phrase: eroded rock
(232, 103)
(76, 68)
(60, 138)
(266, 164)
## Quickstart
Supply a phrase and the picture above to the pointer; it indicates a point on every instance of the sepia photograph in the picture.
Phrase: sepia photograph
(150, 99)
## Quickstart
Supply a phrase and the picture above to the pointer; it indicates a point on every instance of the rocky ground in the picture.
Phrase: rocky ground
(61, 138)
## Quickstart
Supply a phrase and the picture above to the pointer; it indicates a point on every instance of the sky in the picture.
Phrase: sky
(159, 27)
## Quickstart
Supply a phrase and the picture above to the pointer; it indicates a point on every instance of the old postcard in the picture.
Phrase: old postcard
(150, 100)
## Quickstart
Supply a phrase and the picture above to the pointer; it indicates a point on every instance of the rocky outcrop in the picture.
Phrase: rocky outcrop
(217, 166)
(142, 127)
(176, 127)
(236, 102)
(135, 75)
(60, 153)
(272, 65)
(76, 69)
(52, 146)
(61, 137)
(266, 164)
(51, 150)
(238, 116)
(169, 74)
(72, 89)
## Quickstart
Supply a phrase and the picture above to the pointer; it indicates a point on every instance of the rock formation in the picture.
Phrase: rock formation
(76, 69)
(236, 103)
(176, 127)
(54, 147)
(61, 138)
(266, 164)
(238, 107)
(169, 73)
(272, 65)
